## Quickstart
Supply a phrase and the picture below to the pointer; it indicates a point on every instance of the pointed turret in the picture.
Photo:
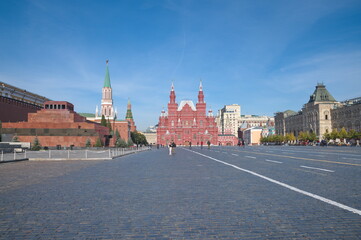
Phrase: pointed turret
(200, 93)
(107, 77)
(129, 114)
(107, 98)
(172, 94)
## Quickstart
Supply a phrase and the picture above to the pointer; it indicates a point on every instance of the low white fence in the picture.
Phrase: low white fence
(15, 156)
(91, 154)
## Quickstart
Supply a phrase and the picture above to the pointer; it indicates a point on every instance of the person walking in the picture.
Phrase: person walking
(173, 147)
(209, 144)
(243, 143)
(201, 144)
(190, 145)
(170, 148)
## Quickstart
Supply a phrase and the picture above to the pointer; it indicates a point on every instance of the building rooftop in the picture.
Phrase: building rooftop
(321, 94)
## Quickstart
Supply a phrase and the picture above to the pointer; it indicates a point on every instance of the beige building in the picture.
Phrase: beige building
(151, 137)
(256, 121)
(315, 115)
(280, 121)
(252, 136)
(228, 119)
(347, 115)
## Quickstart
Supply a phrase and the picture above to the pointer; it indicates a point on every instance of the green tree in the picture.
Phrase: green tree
(138, 138)
(121, 143)
(351, 134)
(98, 143)
(303, 136)
(15, 138)
(278, 138)
(343, 134)
(103, 122)
(311, 136)
(334, 134)
(289, 137)
(36, 146)
(88, 143)
(117, 135)
(130, 142)
(292, 137)
(109, 125)
(327, 136)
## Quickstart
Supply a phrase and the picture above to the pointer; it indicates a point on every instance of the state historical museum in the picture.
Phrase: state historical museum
(185, 123)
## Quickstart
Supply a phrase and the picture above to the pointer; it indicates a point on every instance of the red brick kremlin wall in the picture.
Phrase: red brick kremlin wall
(12, 110)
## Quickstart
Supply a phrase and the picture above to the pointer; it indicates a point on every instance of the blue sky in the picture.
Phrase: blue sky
(266, 56)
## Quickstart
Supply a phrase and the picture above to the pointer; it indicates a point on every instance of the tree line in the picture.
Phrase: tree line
(312, 137)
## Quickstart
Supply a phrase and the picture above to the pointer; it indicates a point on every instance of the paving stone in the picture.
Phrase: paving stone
(152, 195)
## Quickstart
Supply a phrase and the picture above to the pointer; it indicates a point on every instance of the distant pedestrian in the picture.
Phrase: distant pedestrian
(201, 144)
(243, 143)
(357, 143)
(158, 146)
(173, 147)
(209, 144)
(190, 145)
(170, 146)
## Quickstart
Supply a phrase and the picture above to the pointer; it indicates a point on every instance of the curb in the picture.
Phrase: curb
(16, 160)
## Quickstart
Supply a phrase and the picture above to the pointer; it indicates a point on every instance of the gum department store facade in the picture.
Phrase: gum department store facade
(321, 114)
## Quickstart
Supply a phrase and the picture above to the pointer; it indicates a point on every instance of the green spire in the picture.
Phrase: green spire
(129, 111)
(107, 78)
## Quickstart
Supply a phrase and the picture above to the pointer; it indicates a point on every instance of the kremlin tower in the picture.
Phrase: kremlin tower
(129, 117)
(107, 99)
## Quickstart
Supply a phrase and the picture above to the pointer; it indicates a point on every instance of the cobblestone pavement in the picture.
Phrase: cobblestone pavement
(151, 195)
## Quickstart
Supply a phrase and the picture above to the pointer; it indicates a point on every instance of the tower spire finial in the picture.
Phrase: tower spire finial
(200, 85)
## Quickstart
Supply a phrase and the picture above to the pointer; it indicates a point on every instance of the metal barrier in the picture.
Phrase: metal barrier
(83, 154)
(14, 156)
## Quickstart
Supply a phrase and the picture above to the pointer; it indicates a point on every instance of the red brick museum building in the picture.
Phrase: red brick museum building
(187, 122)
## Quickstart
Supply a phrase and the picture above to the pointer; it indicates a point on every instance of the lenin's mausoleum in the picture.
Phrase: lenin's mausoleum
(187, 123)
(57, 125)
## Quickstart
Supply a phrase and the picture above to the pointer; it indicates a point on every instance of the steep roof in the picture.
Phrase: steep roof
(321, 94)
(184, 102)
(289, 113)
(107, 78)
(129, 114)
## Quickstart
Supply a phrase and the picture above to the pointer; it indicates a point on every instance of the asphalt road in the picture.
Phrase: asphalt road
(219, 193)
